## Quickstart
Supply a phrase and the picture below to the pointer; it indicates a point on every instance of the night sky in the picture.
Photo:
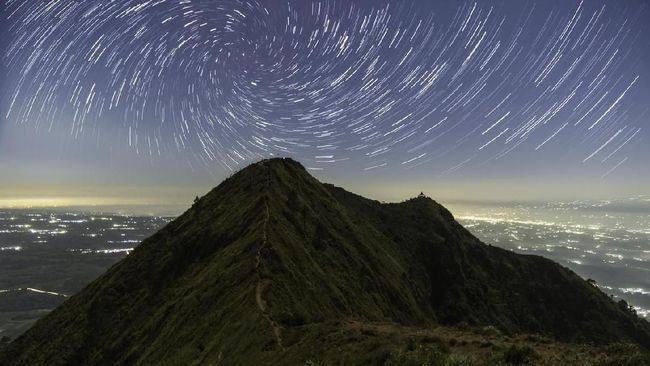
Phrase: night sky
(157, 101)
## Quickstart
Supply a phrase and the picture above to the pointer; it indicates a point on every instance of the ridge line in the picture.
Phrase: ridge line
(261, 284)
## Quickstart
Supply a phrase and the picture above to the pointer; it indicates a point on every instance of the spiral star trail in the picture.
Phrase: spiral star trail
(377, 84)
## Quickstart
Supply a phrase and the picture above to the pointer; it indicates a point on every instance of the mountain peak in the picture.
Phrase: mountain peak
(282, 161)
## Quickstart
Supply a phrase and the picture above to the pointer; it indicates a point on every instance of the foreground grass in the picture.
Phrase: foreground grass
(358, 343)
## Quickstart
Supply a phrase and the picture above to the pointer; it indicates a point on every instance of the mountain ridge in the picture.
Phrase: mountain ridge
(271, 258)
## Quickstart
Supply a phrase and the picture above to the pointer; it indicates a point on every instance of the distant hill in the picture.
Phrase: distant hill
(274, 267)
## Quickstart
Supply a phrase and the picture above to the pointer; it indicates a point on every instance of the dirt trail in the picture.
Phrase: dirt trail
(261, 282)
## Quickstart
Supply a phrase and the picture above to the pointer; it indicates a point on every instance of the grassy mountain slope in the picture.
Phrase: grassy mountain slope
(471, 282)
(274, 267)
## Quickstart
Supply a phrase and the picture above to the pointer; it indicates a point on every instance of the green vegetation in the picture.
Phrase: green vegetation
(274, 267)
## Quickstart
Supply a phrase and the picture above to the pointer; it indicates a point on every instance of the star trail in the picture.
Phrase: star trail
(528, 119)
(376, 84)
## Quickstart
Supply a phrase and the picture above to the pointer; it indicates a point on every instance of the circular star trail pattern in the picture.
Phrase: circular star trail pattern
(377, 83)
